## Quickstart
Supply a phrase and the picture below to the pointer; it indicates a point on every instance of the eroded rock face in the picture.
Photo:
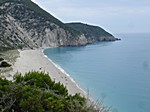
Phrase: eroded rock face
(24, 25)
(92, 33)
(24, 28)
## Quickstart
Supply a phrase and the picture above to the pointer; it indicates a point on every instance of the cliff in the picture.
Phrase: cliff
(23, 24)
(92, 33)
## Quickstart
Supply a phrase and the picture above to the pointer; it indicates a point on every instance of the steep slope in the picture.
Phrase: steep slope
(92, 33)
(23, 24)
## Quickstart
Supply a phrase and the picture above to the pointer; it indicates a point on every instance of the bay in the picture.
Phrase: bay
(118, 72)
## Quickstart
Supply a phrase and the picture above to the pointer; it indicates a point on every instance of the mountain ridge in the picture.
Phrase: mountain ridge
(23, 24)
(92, 33)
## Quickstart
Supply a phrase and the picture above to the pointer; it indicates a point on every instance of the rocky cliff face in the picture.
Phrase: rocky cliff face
(92, 33)
(24, 25)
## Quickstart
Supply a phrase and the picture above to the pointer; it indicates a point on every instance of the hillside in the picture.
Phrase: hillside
(23, 24)
(92, 33)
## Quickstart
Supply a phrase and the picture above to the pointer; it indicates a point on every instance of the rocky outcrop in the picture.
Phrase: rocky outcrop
(4, 64)
(25, 25)
(92, 33)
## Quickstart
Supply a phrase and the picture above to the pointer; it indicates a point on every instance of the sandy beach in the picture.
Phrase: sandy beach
(35, 60)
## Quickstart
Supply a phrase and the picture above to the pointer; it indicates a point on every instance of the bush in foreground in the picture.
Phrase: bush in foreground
(36, 92)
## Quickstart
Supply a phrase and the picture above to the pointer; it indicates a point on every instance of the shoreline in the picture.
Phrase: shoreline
(36, 60)
(64, 72)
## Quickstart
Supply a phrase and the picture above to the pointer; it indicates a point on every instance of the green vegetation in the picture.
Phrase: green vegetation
(89, 30)
(47, 16)
(36, 92)
(4, 44)
(42, 13)
(3, 49)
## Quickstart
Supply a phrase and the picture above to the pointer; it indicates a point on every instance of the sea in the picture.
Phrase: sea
(116, 73)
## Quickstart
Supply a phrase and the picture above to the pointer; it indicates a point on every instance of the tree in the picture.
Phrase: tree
(35, 91)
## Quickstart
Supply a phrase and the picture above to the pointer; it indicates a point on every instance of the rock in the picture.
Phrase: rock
(4, 64)
(1, 59)
(92, 33)
(24, 25)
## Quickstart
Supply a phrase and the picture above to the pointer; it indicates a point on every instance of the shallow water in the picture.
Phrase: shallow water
(118, 72)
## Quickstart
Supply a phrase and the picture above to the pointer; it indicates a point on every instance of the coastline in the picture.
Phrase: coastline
(36, 60)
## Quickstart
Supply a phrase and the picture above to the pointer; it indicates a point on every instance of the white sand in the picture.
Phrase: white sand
(34, 60)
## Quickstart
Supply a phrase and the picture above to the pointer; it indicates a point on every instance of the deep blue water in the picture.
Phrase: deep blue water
(118, 72)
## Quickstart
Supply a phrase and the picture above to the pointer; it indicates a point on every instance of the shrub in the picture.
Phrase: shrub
(36, 92)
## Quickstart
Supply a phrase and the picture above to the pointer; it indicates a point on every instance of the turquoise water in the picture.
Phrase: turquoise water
(118, 72)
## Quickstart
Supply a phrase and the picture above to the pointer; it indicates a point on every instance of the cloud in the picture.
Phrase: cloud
(116, 15)
(96, 8)
(100, 12)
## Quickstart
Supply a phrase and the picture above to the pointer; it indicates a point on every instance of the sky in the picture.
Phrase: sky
(115, 16)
